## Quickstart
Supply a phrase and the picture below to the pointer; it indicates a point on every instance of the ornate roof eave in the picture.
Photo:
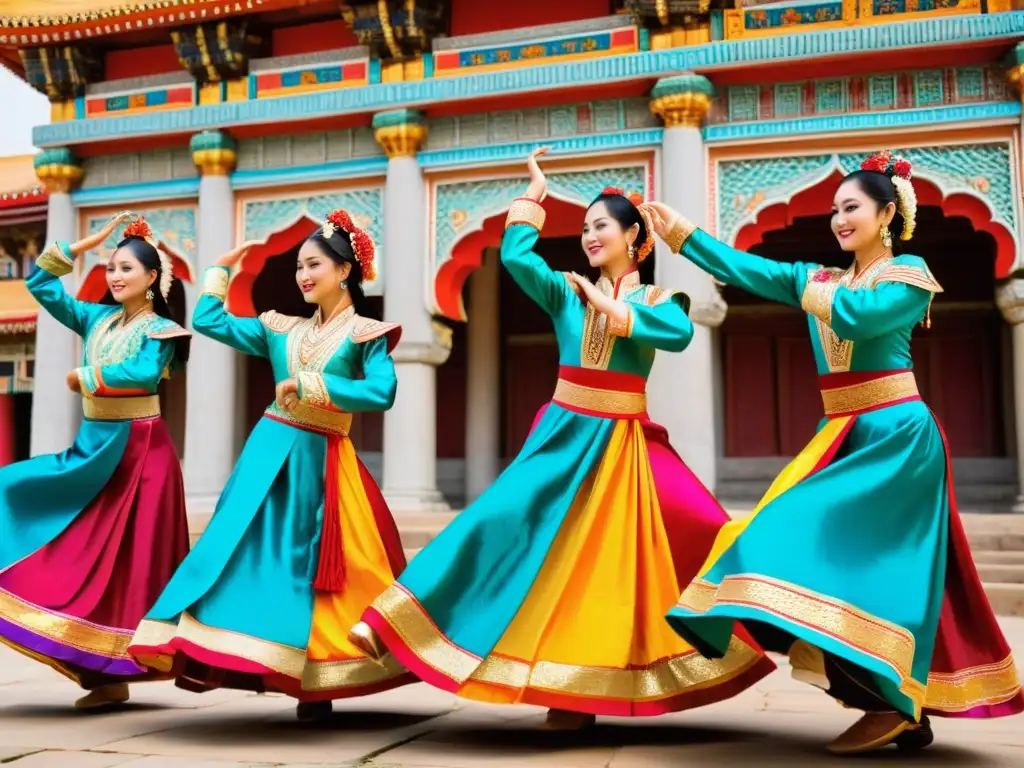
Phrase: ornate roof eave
(92, 19)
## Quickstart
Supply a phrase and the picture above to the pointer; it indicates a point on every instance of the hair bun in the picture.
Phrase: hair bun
(878, 162)
(613, 191)
(363, 247)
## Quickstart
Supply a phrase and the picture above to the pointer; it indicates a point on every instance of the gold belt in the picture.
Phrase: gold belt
(120, 408)
(603, 401)
(869, 395)
(319, 419)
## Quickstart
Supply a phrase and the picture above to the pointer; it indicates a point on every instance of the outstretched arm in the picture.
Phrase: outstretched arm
(772, 280)
(374, 392)
(246, 334)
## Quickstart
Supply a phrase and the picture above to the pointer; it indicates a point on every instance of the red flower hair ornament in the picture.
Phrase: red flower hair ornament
(140, 229)
(362, 244)
(899, 170)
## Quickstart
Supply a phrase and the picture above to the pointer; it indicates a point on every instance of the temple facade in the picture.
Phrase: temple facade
(231, 120)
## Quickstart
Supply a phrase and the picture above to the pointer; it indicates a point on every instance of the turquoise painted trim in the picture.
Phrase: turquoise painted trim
(374, 71)
(717, 26)
(223, 90)
(900, 36)
(482, 155)
(644, 39)
(863, 121)
(80, 108)
(428, 66)
(136, 193)
(252, 88)
(345, 169)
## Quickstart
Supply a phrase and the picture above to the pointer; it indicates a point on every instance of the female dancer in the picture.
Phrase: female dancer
(855, 561)
(90, 536)
(301, 540)
(550, 589)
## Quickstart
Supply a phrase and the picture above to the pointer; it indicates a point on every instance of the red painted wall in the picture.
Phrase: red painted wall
(470, 17)
(308, 38)
(140, 62)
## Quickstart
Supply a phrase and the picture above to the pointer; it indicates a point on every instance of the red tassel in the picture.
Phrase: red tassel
(330, 567)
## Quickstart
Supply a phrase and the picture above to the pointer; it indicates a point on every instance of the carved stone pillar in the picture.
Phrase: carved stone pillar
(56, 411)
(212, 410)
(1010, 300)
(410, 437)
(682, 389)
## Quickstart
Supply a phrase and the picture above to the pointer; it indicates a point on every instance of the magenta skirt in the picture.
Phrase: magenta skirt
(74, 603)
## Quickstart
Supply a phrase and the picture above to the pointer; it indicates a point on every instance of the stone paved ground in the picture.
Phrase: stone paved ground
(779, 723)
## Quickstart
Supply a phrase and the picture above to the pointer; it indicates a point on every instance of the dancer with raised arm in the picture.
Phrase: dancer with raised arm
(855, 561)
(301, 540)
(550, 589)
(90, 536)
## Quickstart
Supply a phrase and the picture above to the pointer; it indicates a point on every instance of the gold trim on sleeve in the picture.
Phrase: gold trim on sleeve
(525, 211)
(679, 232)
(55, 261)
(622, 328)
(215, 282)
(915, 276)
(314, 390)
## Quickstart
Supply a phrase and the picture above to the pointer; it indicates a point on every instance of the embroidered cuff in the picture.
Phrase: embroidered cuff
(89, 380)
(679, 233)
(57, 259)
(817, 296)
(215, 282)
(313, 391)
(526, 211)
(622, 329)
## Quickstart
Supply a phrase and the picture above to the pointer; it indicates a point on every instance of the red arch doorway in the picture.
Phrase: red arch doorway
(772, 404)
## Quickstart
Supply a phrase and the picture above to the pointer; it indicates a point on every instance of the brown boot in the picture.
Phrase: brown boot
(104, 696)
(563, 720)
(873, 731)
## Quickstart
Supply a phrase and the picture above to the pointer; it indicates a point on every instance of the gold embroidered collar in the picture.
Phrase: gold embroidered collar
(626, 282)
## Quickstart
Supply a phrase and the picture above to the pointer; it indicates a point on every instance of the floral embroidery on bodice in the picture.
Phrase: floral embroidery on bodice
(110, 341)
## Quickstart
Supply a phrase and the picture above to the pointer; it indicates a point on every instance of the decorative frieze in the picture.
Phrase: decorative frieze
(174, 90)
(139, 167)
(916, 89)
(540, 124)
(307, 149)
(550, 43)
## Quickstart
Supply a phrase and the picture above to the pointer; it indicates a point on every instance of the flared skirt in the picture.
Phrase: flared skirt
(551, 587)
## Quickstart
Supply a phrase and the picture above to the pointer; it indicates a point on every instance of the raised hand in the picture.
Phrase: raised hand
(234, 256)
(662, 217)
(538, 188)
(96, 239)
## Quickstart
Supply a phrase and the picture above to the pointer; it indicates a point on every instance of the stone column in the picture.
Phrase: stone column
(483, 387)
(410, 438)
(1010, 300)
(682, 389)
(56, 411)
(213, 397)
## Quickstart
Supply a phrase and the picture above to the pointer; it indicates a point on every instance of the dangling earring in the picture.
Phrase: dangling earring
(632, 253)
(886, 236)
(149, 294)
(344, 285)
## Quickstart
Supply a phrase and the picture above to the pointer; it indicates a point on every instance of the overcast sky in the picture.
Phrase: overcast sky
(23, 108)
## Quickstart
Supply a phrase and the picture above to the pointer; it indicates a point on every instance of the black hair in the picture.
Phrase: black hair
(338, 247)
(623, 211)
(879, 187)
(149, 258)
